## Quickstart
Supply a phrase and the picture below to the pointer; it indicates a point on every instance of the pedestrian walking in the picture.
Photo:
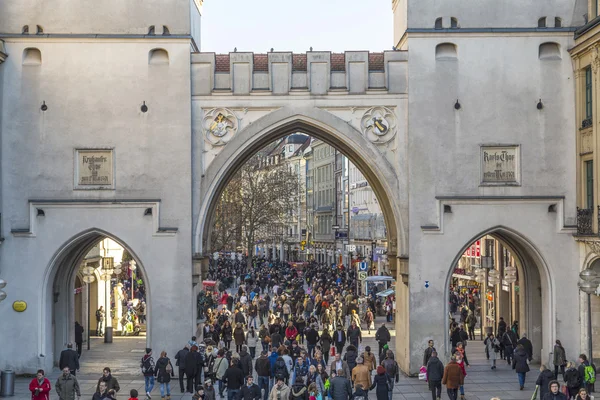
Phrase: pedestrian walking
(571, 378)
(587, 373)
(147, 366)
(69, 358)
(180, 364)
(109, 380)
(239, 337)
(361, 374)
(339, 339)
(453, 377)
(583, 395)
(461, 363)
(340, 365)
(100, 321)
(252, 341)
(67, 386)
(263, 370)
(164, 372)
(559, 359)
(471, 323)
(78, 337)
(250, 391)
(555, 393)
(234, 379)
(40, 386)
(520, 365)
(392, 370)
(435, 374)
(280, 390)
(340, 387)
(492, 348)
(383, 337)
(382, 384)
(543, 381)
(428, 351)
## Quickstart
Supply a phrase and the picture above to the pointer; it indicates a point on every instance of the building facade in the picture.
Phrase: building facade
(113, 125)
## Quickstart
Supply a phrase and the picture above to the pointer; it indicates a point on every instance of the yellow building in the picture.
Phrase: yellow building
(586, 60)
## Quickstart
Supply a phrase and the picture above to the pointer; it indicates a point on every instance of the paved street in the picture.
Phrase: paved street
(124, 354)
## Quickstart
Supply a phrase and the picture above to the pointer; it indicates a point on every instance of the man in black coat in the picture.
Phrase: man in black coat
(383, 337)
(263, 370)
(250, 391)
(527, 345)
(180, 357)
(69, 358)
(435, 373)
(246, 361)
(339, 338)
(78, 337)
(234, 378)
(354, 335)
(312, 338)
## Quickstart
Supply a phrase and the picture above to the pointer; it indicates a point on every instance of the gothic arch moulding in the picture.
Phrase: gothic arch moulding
(387, 182)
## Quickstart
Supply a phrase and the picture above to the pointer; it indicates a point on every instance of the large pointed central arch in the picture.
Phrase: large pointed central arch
(388, 185)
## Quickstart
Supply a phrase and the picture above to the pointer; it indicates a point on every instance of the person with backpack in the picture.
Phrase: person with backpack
(147, 366)
(571, 378)
(587, 373)
(164, 372)
(280, 369)
(509, 341)
(360, 392)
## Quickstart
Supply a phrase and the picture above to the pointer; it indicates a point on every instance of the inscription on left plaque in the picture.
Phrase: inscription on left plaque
(94, 169)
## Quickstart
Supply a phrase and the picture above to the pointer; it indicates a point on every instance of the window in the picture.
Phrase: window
(589, 184)
(557, 22)
(438, 23)
(588, 93)
(542, 22)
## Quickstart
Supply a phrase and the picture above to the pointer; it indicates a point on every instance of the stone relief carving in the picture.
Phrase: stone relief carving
(378, 124)
(220, 125)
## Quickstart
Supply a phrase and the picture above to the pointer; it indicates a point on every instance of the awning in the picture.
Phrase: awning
(386, 293)
(379, 278)
(209, 283)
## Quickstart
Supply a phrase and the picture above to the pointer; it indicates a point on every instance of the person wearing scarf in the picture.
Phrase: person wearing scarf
(40, 387)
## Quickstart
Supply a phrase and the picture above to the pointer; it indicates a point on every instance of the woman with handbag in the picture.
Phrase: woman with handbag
(492, 346)
(164, 372)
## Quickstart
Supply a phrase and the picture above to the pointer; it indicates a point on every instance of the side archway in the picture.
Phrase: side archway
(389, 186)
(536, 307)
(58, 299)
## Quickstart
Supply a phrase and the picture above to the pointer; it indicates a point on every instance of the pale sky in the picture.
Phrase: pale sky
(288, 25)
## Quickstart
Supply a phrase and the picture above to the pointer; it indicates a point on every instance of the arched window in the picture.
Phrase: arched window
(438, 23)
(158, 56)
(166, 31)
(39, 29)
(542, 22)
(453, 22)
(557, 22)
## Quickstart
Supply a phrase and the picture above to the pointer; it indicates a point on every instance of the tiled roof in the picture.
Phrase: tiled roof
(376, 62)
(299, 62)
(261, 63)
(222, 63)
(338, 62)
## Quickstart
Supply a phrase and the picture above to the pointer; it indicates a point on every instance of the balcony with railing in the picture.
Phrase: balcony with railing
(585, 221)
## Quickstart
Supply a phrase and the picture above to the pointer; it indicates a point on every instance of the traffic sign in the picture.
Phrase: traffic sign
(362, 275)
(426, 284)
(363, 266)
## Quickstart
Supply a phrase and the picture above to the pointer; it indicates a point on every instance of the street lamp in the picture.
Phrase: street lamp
(588, 285)
(132, 267)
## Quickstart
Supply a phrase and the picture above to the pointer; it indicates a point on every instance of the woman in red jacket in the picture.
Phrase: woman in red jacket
(291, 332)
(40, 387)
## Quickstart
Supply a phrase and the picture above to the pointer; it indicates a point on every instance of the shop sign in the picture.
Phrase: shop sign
(500, 165)
(474, 250)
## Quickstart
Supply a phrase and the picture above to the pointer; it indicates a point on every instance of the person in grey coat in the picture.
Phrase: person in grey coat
(493, 348)
(435, 373)
(340, 387)
(67, 386)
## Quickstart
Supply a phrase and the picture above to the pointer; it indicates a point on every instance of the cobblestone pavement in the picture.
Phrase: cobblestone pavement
(123, 356)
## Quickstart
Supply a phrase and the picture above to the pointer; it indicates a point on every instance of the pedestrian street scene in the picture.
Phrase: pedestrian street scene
(271, 200)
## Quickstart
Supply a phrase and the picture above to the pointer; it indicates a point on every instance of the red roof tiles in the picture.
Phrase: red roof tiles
(261, 63)
(338, 62)
(222, 63)
(298, 62)
(376, 62)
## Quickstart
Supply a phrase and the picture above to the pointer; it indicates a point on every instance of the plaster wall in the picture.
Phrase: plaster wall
(106, 17)
(494, 14)
(94, 91)
(498, 81)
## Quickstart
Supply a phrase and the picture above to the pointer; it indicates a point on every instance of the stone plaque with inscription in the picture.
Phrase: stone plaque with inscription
(94, 169)
(500, 165)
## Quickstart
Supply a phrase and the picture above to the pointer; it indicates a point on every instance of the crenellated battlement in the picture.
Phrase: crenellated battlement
(315, 72)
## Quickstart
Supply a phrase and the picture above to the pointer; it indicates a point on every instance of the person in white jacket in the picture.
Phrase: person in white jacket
(252, 341)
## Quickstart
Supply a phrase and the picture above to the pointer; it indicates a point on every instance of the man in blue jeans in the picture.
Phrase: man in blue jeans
(234, 378)
(262, 366)
(147, 366)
